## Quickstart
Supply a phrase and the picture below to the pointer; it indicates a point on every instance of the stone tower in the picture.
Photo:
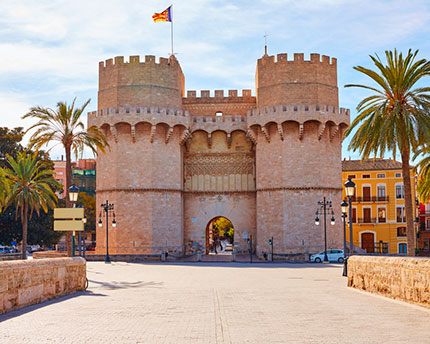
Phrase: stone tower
(177, 162)
(297, 128)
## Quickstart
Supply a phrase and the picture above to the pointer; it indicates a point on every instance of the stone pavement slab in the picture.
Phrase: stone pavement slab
(217, 303)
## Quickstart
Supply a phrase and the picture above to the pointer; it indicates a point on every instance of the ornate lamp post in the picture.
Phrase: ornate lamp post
(344, 207)
(73, 197)
(324, 211)
(350, 190)
(106, 207)
(84, 220)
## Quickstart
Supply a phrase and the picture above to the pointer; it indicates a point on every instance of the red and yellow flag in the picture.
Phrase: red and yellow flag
(163, 16)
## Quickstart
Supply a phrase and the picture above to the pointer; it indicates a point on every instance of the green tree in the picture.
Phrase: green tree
(88, 202)
(395, 117)
(423, 169)
(64, 125)
(31, 188)
(10, 143)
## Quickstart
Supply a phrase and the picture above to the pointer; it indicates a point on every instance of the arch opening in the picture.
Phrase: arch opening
(219, 236)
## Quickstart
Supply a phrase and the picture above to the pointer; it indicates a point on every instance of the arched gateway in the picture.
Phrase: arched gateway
(219, 236)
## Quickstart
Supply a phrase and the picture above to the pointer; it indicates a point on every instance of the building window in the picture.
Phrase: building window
(351, 176)
(366, 194)
(59, 173)
(367, 215)
(381, 192)
(218, 114)
(382, 215)
(354, 215)
(401, 231)
(401, 214)
(398, 175)
(426, 245)
(403, 248)
(399, 191)
(380, 175)
(366, 175)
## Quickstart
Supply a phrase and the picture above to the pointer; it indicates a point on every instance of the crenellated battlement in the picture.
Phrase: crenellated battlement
(135, 60)
(298, 58)
(299, 113)
(218, 97)
(134, 115)
(213, 123)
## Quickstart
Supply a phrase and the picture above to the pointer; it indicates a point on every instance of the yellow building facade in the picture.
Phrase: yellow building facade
(378, 207)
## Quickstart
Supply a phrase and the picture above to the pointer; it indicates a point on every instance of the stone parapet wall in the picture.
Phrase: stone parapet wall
(402, 278)
(50, 254)
(23, 283)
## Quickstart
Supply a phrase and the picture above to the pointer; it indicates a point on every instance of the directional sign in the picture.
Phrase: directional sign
(68, 219)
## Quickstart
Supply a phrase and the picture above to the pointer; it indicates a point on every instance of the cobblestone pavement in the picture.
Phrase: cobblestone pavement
(217, 303)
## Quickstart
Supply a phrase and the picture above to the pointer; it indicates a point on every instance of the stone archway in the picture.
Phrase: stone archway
(219, 236)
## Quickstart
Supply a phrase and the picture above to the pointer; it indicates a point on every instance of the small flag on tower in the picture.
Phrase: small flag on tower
(165, 16)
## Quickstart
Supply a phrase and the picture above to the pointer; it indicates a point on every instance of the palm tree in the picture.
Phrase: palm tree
(423, 169)
(3, 189)
(31, 185)
(65, 126)
(395, 118)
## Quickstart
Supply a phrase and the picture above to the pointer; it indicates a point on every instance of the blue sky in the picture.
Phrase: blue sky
(49, 50)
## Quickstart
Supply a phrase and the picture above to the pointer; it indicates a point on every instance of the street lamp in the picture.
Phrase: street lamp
(73, 197)
(324, 211)
(350, 190)
(84, 220)
(344, 207)
(106, 207)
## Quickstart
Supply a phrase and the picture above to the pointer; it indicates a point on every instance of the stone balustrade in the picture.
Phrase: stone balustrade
(402, 278)
(26, 282)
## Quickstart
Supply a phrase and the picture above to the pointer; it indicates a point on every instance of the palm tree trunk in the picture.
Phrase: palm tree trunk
(409, 208)
(69, 247)
(24, 230)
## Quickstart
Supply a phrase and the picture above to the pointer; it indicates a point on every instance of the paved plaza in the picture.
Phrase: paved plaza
(217, 303)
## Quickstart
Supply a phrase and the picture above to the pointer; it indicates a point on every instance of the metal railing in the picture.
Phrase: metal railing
(362, 199)
(367, 220)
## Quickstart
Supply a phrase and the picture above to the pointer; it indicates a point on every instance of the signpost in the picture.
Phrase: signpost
(69, 219)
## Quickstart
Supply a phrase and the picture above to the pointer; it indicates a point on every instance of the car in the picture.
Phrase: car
(332, 255)
(5, 249)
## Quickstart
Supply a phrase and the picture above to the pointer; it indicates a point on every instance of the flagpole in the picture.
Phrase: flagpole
(171, 26)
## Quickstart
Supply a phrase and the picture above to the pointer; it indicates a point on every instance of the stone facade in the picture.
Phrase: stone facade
(177, 162)
(402, 278)
(23, 283)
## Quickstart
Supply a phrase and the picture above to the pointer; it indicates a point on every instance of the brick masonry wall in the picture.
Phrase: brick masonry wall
(402, 278)
(23, 283)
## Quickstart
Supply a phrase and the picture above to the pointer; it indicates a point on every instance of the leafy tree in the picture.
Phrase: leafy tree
(395, 117)
(64, 125)
(224, 228)
(10, 143)
(89, 204)
(423, 168)
(30, 188)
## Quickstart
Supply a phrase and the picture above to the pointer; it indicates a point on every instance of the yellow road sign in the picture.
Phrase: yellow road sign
(68, 225)
(68, 213)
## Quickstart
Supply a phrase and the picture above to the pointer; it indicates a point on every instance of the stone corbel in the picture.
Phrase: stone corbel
(133, 133)
(210, 140)
(301, 129)
(153, 129)
(229, 140)
(251, 135)
(334, 131)
(185, 136)
(168, 134)
(114, 133)
(281, 131)
(321, 130)
(266, 133)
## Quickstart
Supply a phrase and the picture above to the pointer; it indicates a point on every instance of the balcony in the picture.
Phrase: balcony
(425, 213)
(371, 199)
(367, 220)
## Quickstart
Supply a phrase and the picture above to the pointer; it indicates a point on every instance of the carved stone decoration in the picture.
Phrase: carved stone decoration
(153, 129)
(219, 198)
(301, 129)
(266, 133)
(133, 133)
(281, 131)
(333, 131)
(321, 130)
(114, 133)
(169, 133)
(218, 164)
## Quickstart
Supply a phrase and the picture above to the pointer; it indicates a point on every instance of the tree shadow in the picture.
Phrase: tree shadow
(27, 309)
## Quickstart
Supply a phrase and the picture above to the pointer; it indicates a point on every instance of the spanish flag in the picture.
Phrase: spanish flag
(165, 16)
